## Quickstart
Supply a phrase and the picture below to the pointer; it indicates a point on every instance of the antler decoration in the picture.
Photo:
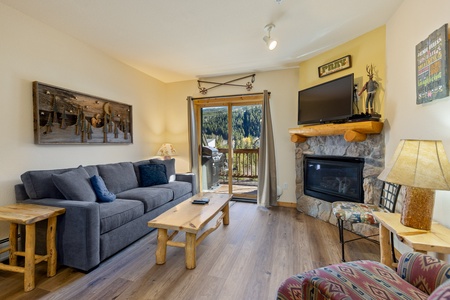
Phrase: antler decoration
(248, 86)
(369, 70)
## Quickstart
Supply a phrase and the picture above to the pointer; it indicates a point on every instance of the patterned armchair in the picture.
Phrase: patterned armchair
(418, 276)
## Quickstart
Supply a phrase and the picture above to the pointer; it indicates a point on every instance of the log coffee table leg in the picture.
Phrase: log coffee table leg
(190, 250)
(226, 217)
(161, 248)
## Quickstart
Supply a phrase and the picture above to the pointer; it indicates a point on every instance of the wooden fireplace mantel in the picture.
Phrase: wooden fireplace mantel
(352, 132)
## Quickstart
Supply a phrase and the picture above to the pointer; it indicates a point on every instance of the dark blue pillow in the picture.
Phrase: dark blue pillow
(153, 174)
(101, 191)
(170, 167)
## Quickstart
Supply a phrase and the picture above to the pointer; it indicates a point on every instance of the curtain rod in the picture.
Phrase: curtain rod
(227, 96)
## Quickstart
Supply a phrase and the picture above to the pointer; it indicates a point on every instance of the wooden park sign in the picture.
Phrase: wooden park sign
(335, 66)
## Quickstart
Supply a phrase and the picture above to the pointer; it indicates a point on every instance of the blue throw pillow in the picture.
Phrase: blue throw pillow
(100, 189)
(170, 167)
(153, 174)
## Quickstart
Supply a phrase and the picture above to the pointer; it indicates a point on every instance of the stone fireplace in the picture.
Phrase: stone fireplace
(371, 151)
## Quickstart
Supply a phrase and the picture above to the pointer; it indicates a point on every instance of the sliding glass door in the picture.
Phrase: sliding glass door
(229, 128)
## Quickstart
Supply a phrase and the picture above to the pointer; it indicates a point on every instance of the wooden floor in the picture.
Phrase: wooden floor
(244, 260)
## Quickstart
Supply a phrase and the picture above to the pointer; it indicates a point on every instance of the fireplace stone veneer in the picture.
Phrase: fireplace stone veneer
(373, 152)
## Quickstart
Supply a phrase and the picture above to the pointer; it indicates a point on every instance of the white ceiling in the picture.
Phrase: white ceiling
(174, 40)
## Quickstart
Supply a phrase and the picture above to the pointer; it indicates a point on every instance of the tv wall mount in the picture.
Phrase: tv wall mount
(248, 86)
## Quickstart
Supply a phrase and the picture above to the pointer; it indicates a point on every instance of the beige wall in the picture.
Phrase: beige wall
(31, 51)
(412, 23)
(283, 86)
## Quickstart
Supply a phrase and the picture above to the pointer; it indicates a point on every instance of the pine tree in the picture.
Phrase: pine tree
(63, 124)
(49, 124)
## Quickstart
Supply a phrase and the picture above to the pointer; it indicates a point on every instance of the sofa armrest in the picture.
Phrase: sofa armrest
(78, 232)
(21, 194)
(188, 177)
(423, 271)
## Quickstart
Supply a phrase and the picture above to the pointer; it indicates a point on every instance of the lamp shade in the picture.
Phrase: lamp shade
(418, 163)
(166, 150)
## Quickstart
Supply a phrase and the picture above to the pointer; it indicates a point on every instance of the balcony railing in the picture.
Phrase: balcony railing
(245, 164)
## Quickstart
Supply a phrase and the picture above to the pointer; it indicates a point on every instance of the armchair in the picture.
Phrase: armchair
(418, 276)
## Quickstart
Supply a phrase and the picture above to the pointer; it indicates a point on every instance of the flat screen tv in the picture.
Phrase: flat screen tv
(328, 102)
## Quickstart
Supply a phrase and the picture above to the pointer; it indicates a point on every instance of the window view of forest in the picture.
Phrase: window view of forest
(246, 123)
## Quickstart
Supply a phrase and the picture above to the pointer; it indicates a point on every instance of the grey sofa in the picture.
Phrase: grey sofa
(91, 231)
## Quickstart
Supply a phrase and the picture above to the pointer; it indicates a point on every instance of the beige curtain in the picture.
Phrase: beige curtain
(193, 141)
(267, 175)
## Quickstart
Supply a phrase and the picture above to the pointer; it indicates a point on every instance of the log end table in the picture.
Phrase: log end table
(437, 239)
(28, 215)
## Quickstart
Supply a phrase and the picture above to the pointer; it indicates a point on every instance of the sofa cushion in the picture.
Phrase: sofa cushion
(151, 197)
(420, 270)
(117, 213)
(39, 184)
(170, 167)
(136, 169)
(101, 191)
(179, 188)
(118, 177)
(152, 174)
(92, 170)
(75, 185)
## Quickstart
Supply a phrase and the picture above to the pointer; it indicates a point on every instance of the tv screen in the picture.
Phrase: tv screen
(327, 102)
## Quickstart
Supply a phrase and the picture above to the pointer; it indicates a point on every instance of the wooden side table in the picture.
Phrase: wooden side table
(28, 215)
(435, 240)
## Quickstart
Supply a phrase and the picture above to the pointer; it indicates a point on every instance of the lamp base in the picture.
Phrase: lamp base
(417, 209)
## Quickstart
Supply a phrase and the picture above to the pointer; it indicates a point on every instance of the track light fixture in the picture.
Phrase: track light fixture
(271, 43)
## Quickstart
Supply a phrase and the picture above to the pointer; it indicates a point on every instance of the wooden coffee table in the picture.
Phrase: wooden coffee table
(189, 218)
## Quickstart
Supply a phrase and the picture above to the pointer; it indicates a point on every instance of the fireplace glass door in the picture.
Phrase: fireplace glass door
(332, 178)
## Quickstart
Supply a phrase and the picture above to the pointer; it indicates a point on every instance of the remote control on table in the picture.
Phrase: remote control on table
(201, 201)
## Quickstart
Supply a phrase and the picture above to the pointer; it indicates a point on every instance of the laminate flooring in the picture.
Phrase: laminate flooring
(247, 259)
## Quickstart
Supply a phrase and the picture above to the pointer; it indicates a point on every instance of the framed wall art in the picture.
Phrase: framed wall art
(62, 116)
(335, 66)
(432, 66)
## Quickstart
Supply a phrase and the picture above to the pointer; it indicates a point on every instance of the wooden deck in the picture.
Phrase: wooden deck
(246, 192)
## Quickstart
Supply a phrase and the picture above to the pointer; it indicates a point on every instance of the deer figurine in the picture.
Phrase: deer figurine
(371, 87)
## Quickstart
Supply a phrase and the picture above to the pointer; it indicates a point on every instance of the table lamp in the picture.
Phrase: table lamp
(166, 150)
(422, 167)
